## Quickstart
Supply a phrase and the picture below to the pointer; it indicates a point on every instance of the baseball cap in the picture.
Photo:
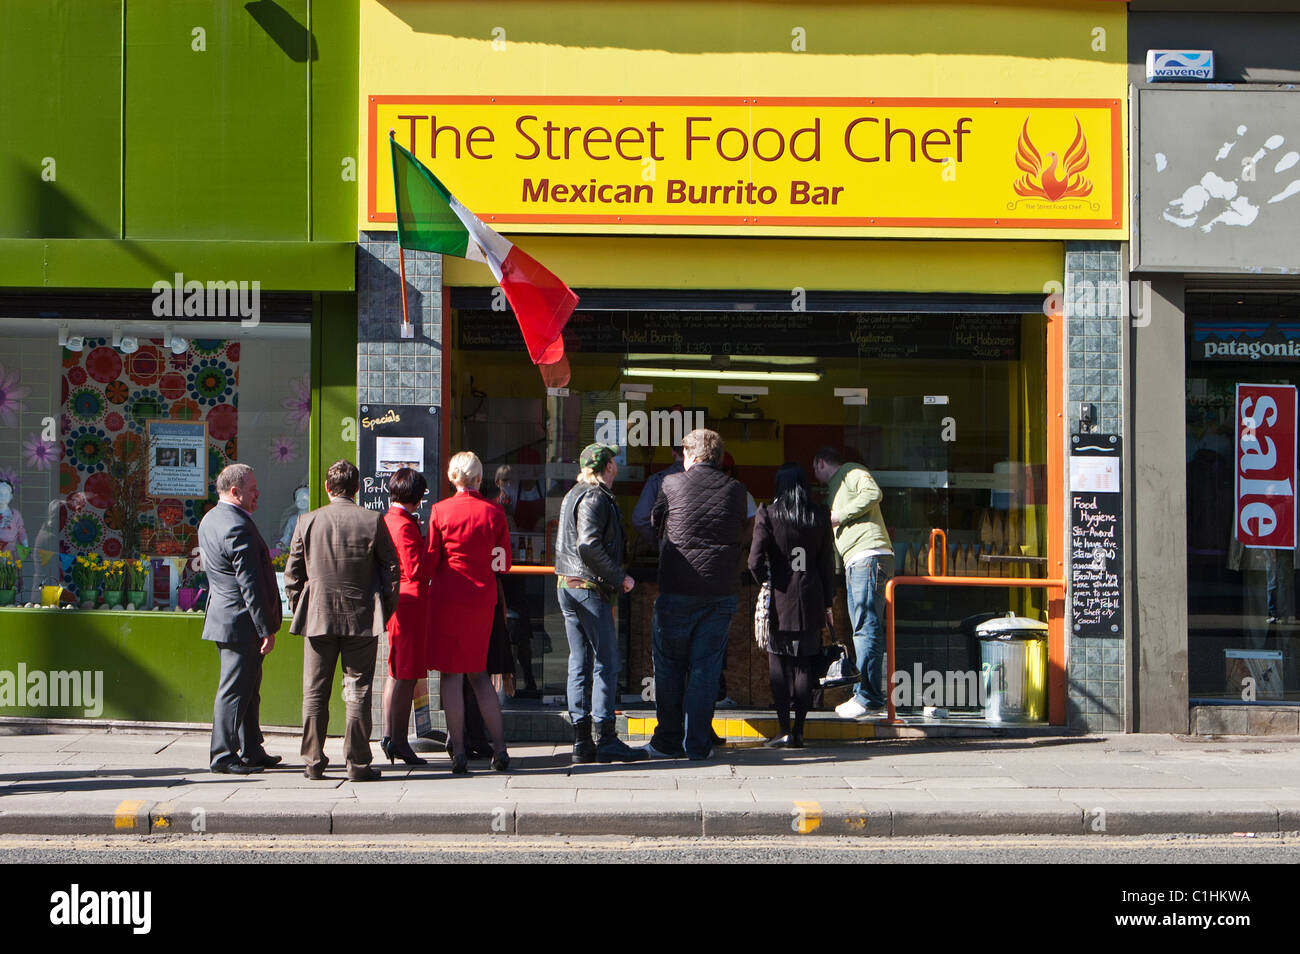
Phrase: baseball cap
(596, 456)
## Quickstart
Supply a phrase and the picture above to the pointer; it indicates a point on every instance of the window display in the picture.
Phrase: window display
(108, 456)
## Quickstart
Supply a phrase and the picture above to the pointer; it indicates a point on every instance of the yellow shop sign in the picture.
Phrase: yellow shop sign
(727, 164)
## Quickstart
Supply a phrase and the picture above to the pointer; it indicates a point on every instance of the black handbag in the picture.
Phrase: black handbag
(836, 667)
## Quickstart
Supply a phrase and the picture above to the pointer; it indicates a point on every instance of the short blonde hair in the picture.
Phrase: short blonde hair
(465, 469)
(703, 445)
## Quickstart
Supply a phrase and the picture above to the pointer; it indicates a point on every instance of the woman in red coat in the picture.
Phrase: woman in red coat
(470, 544)
(408, 630)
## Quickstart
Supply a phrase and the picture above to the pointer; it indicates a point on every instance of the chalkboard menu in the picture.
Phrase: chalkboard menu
(392, 436)
(740, 333)
(1096, 545)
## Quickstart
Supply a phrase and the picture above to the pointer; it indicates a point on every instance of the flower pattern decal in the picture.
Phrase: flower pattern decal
(99, 490)
(284, 450)
(11, 396)
(186, 409)
(85, 530)
(107, 400)
(88, 448)
(223, 422)
(145, 366)
(86, 405)
(104, 364)
(144, 406)
(39, 454)
(211, 382)
(298, 404)
(173, 386)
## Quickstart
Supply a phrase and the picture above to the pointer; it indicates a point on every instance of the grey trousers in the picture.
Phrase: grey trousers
(236, 713)
(320, 657)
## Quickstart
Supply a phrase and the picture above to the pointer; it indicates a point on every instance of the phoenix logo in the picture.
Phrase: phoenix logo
(1047, 180)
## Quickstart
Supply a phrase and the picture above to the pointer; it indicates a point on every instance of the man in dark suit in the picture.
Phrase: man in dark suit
(243, 615)
(342, 583)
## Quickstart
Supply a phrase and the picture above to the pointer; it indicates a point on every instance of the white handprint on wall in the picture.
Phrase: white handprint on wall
(1232, 201)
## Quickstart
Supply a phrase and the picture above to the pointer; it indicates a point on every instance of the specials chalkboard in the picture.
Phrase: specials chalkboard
(392, 436)
(1096, 544)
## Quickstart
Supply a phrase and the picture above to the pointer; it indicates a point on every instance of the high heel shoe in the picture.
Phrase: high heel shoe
(459, 765)
(501, 761)
(402, 749)
(386, 746)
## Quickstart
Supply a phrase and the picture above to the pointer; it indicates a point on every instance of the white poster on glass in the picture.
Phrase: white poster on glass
(177, 459)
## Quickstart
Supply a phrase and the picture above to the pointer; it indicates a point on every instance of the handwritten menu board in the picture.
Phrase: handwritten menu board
(391, 436)
(1096, 545)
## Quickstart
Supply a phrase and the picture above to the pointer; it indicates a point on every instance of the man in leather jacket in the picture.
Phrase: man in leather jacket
(589, 577)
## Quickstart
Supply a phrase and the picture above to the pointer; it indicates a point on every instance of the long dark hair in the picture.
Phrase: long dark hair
(793, 503)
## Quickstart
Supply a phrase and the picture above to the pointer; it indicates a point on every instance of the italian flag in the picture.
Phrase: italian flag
(430, 218)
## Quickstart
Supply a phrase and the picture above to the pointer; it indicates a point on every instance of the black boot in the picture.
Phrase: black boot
(611, 749)
(584, 750)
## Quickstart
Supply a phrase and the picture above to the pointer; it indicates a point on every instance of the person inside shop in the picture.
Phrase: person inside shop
(470, 545)
(649, 494)
(699, 517)
(751, 509)
(793, 551)
(589, 578)
(863, 547)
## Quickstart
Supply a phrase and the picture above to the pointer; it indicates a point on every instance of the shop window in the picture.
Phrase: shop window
(1243, 630)
(110, 448)
(947, 411)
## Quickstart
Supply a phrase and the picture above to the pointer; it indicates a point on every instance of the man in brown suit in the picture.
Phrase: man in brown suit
(341, 580)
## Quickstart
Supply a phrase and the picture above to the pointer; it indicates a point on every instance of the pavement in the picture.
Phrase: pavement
(157, 783)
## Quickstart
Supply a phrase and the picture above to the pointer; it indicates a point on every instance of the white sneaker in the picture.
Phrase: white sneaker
(852, 709)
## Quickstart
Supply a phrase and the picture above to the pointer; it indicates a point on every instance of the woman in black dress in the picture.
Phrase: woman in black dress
(794, 547)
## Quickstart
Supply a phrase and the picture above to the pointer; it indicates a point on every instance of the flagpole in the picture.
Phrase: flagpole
(401, 258)
(401, 269)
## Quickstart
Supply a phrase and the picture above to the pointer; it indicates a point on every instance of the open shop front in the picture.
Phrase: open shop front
(944, 399)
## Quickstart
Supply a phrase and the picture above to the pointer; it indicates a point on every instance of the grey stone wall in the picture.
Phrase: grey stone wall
(1094, 337)
(392, 369)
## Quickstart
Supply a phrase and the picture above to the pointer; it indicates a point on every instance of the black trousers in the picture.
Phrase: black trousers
(236, 712)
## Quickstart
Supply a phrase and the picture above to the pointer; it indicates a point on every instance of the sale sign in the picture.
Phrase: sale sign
(1266, 466)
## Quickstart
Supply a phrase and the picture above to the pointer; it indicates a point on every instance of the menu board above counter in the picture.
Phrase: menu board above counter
(741, 333)
(1096, 543)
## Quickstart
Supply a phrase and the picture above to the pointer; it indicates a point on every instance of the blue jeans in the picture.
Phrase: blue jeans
(866, 595)
(688, 636)
(593, 651)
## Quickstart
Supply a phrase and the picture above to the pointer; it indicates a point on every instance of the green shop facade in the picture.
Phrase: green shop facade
(178, 291)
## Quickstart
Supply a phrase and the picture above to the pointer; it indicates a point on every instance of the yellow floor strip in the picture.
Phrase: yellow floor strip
(766, 728)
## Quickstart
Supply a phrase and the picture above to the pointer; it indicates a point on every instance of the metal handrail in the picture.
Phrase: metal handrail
(934, 579)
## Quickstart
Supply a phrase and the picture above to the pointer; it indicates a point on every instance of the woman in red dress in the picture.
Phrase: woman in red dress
(469, 544)
(408, 630)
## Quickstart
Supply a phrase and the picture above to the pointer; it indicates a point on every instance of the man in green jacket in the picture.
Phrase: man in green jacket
(863, 546)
